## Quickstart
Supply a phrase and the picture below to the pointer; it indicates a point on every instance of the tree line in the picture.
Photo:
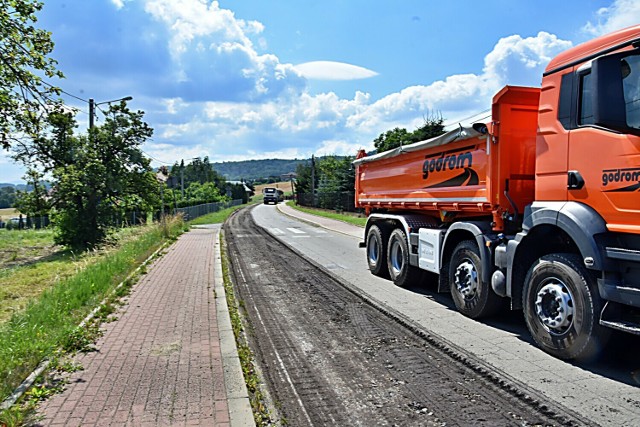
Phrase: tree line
(329, 177)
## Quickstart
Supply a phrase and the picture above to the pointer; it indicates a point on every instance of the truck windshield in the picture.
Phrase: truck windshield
(630, 67)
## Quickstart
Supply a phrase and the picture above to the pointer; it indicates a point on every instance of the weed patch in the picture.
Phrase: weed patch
(257, 399)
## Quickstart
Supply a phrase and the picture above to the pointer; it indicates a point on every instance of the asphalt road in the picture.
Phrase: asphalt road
(605, 392)
(330, 357)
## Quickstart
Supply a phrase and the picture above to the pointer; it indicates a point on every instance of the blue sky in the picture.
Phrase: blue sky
(251, 79)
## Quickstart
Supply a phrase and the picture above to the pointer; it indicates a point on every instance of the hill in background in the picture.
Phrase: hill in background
(256, 169)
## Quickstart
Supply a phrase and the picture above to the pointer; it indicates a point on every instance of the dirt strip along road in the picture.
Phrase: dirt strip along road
(331, 358)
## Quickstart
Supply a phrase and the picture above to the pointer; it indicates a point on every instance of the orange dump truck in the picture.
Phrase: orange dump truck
(538, 208)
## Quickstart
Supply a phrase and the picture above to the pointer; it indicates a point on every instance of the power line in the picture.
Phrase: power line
(65, 92)
(157, 160)
(454, 122)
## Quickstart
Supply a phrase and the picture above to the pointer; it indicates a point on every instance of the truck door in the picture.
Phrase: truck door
(604, 147)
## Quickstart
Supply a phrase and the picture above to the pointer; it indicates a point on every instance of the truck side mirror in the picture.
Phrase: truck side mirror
(608, 96)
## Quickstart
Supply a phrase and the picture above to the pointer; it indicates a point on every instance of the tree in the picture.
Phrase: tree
(199, 171)
(392, 139)
(303, 179)
(97, 177)
(433, 126)
(35, 202)
(24, 60)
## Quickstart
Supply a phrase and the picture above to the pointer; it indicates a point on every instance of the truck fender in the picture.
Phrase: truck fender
(479, 230)
(578, 220)
(377, 218)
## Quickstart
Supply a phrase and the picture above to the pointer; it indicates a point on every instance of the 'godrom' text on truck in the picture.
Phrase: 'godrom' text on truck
(539, 208)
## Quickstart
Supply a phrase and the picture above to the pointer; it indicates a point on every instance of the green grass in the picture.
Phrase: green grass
(30, 263)
(48, 321)
(351, 218)
(216, 217)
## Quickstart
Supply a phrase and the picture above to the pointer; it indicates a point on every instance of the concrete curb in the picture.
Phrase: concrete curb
(240, 413)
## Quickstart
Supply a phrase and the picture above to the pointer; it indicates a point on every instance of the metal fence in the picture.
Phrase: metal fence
(193, 212)
(340, 201)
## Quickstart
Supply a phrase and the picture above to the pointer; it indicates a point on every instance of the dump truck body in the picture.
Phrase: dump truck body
(466, 172)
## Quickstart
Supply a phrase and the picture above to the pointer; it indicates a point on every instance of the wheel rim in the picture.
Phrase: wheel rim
(554, 306)
(466, 279)
(373, 251)
(396, 258)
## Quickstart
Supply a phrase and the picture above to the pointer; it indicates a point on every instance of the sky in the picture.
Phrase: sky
(254, 79)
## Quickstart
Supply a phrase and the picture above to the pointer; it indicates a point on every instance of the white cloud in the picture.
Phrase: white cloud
(254, 100)
(337, 147)
(327, 124)
(514, 60)
(214, 57)
(330, 70)
(621, 14)
(174, 105)
(119, 4)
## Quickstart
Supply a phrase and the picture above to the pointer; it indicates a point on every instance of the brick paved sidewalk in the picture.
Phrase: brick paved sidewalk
(161, 362)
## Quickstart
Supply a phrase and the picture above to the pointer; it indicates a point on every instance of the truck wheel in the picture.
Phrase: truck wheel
(561, 307)
(472, 297)
(401, 272)
(376, 251)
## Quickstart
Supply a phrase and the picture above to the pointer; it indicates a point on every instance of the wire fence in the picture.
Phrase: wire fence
(193, 212)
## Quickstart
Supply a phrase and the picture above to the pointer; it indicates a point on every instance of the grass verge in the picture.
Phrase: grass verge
(49, 321)
(216, 217)
(261, 414)
(345, 217)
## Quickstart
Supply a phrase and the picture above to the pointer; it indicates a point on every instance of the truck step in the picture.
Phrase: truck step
(621, 325)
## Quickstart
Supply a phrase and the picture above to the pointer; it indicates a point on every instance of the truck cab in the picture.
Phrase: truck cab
(272, 195)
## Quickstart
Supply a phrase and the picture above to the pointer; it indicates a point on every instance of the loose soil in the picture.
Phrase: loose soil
(329, 357)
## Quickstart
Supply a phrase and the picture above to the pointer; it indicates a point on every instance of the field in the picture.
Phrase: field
(282, 185)
(7, 213)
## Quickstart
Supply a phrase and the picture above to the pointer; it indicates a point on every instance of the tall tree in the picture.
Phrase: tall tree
(96, 177)
(24, 61)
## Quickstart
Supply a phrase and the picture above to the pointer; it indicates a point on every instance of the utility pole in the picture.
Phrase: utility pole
(313, 181)
(92, 108)
(182, 178)
(92, 111)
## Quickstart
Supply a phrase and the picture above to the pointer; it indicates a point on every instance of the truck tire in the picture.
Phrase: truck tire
(377, 251)
(400, 271)
(561, 307)
(472, 297)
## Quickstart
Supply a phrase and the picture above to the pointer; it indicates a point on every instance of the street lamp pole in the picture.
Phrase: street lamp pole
(93, 105)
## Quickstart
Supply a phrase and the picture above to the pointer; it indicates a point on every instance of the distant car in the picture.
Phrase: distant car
(271, 195)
